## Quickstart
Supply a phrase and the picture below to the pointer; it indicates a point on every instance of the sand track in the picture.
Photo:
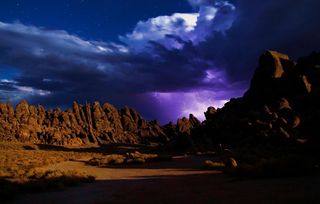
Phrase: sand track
(179, 181)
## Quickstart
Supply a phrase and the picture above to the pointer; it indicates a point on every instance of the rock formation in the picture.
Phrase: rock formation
(89, 124)
(282, 104)
(186, 133)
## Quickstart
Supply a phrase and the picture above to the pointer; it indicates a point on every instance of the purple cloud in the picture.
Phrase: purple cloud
(180, 104)
(166, 67)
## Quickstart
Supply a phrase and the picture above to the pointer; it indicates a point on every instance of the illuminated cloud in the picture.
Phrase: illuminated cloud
(174, 31)
(158, 29)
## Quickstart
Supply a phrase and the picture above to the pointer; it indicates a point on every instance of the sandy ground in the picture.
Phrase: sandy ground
(180, 181)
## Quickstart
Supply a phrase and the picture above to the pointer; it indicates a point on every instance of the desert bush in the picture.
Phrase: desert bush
(16, 161)
(20, 169)
(40, 180)
(128, 158)
(139, 158)
(112, 159)
(208, 164)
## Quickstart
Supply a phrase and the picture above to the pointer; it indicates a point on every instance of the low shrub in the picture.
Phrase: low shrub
(40, 181)
(128, 158)
(208, 164)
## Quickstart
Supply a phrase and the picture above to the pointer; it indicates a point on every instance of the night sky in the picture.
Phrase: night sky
(165, 58)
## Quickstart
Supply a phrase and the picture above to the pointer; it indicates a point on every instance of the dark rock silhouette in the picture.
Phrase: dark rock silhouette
(277, 77)
(185, 134)
(281, 105)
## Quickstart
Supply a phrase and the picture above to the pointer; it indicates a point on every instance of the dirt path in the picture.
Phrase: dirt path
(178, 181)
(180, 166)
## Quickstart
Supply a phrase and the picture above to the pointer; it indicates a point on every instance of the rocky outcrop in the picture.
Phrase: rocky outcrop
(282, 104)
(276, 77)
(185, 133)
(184, 126)
(81, 125)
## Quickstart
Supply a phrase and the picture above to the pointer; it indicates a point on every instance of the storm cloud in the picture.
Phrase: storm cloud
(166, 67)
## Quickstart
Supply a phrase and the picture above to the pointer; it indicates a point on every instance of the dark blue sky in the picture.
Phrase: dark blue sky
(165, 58)
(91, 19)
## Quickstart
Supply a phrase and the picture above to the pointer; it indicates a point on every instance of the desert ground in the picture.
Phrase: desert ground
(182, 179)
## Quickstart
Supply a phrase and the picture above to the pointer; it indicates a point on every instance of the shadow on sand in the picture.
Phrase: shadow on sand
(105, 148)
(196, 188)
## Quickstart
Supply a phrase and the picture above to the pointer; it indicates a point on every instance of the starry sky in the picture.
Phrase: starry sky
(165, 58)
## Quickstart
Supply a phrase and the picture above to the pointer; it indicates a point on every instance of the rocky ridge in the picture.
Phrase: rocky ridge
(81, 125)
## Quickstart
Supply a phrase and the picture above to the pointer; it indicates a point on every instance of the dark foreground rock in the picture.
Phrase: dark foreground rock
(281, 108)
(273, 130)
(281, 105)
